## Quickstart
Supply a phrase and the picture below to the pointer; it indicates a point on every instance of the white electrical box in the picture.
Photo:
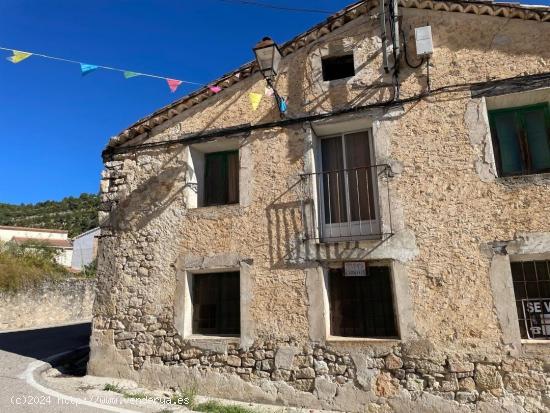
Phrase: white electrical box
(424, 44)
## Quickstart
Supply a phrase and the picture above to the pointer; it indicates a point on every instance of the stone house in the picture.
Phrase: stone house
(56, 239)
(383, 244)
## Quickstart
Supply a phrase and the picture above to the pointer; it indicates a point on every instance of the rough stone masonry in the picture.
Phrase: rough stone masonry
(453, 226)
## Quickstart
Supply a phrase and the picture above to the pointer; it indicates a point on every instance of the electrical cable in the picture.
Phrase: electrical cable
(395, 74)
(428, 74)
(275, 7)
(406, 53)
(245, 128)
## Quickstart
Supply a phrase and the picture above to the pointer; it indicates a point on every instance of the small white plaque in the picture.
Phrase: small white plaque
(355, 269)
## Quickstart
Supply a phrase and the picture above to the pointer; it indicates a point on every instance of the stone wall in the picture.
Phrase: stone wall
(48, 304)
(448, 213)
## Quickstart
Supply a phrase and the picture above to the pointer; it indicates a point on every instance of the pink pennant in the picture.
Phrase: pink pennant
(173, 84)
(215, 89)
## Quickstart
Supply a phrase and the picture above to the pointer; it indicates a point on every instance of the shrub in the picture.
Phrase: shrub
(27, 265)
(217, 407)
(90, 270)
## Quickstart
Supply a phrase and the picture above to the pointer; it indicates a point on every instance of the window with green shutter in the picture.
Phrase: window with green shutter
(521, 139)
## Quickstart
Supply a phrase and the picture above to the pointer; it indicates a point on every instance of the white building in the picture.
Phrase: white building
(54, 238)
(85, 248)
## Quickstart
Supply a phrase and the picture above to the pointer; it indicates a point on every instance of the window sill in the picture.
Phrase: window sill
(341, 339)
(218, 344)
(524, 179)
(215, 209)
(212, 338)
(531, 342)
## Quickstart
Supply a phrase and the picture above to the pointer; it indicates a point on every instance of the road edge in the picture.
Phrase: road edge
(39, 366)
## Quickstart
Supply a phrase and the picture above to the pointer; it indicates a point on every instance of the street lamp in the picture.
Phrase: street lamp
(268, 56)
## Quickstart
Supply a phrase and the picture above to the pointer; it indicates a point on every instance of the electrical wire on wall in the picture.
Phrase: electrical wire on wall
(395, 49)
(525, 81)
(406, 53)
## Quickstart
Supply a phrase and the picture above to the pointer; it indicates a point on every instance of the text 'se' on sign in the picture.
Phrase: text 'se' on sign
(355, 269)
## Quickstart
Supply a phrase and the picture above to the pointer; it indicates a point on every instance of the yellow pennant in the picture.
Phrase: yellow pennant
(18, 56)
(255, 99)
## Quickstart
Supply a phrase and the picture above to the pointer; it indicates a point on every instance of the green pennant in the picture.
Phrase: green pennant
(128, 74)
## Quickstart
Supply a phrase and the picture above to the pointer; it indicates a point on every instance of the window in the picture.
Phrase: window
(338, 67)
(362, 306)
(532, 292)
(521, 137)
(216, 303)
(221, 178)
(348, 185)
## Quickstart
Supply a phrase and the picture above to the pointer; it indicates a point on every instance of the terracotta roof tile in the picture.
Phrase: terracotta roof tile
(56, 243)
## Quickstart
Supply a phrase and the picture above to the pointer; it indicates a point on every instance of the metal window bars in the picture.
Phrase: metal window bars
(532, 293)
(346, 204)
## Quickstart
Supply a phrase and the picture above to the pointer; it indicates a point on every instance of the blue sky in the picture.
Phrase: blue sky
(56, 122)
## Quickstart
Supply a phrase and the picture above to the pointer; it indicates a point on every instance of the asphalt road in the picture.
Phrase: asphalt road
(18, 349)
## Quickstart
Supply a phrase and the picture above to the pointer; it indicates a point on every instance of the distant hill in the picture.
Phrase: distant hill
(75, 215)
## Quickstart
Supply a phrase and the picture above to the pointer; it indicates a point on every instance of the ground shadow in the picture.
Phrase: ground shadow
(41, 343)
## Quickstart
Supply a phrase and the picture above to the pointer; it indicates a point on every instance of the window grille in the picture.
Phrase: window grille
(532, 293)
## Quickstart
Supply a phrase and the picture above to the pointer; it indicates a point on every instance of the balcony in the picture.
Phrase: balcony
(347, 204)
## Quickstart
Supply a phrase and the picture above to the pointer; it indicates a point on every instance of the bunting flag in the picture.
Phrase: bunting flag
(86, 68)
(173, 84)
(128, 74)
(282, 105)
(18, 56)
(268, 91)
(255, 99)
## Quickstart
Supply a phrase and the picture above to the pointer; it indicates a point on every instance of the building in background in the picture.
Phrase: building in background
(85, 248)
(51, 238)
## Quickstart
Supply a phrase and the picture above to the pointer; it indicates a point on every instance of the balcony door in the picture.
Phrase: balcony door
(349, 207)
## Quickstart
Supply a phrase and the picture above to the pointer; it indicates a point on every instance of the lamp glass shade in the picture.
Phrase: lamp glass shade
(268, 58)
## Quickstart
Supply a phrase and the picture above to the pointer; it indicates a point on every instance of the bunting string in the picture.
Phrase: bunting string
(86, 68)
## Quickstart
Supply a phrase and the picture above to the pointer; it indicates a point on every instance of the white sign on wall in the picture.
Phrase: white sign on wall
(536, 313)
(355, 269)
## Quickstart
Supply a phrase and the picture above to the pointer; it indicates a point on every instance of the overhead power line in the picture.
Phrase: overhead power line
(275, 6)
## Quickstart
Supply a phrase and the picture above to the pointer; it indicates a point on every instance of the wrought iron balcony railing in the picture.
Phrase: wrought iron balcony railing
(346, 205)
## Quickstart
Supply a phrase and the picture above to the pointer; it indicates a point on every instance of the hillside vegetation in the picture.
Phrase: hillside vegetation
(75, 215)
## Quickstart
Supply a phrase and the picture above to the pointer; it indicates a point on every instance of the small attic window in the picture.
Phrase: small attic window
(338, 67)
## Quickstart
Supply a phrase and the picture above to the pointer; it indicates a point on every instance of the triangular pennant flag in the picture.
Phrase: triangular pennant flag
(255, 99)
(237, 75)
(173, 84)
(268, 91)
(282, 105)
(18, 56)
(128, 74)
(86, 68)
(215, 89)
